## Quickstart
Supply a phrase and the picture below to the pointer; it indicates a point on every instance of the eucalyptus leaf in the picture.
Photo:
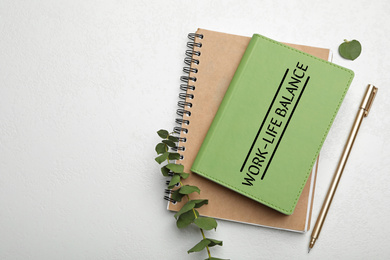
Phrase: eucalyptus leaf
(165, 171)
(163, 133)
(176, 195)
(350, 49)
(186, 219)
(177, 168)
(200, 246)
(174, 156)
(161, 148)
(175, 180)
(162, 157)
(187, 189)
(214, 242)
(206, 223)
(200, 203)
(173, 138)
(187, 207)
(169, 143)
(184, 175)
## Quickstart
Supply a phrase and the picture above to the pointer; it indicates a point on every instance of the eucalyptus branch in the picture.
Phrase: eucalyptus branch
(188, 214)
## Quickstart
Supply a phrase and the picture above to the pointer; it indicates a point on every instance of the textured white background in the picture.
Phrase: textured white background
(85, 85)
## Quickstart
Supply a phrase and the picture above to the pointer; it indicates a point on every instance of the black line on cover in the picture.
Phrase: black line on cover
(261, 126)
(284, 130)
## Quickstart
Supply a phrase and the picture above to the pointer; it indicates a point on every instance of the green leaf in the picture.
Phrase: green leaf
(177, 168)
(187, 207)
(162, 157)
(200, 203)
(174, 156)
(200, 246)
(186, 219)
(177, 196)
(214, 242)
(165, 171)
(169, 143)
(350, 49)
(184, 175)
(163, 133)
(215, 258)
(161, 148)
(206, 223)
(175, 180)
(187, 189)
(173, 138)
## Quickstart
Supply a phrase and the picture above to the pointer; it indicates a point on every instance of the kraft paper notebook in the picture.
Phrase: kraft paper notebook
(213, 58)
(272, 122)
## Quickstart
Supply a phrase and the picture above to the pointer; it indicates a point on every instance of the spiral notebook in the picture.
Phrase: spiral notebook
(212, 59)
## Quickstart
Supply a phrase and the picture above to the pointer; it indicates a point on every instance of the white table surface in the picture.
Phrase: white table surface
(85, 85)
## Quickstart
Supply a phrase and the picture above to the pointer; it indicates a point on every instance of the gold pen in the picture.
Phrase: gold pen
(362, 112)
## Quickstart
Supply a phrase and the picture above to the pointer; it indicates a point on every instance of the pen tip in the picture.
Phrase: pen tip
(309, 250)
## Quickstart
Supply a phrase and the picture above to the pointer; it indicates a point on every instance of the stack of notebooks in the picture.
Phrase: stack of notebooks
(254, 117)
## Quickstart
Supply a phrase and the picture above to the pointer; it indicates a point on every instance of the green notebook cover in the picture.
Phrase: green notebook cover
(272, 122)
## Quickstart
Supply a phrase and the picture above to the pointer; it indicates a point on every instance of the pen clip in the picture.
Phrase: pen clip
(368, 99)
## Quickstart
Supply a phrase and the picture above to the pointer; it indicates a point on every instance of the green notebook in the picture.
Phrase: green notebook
(272, 122)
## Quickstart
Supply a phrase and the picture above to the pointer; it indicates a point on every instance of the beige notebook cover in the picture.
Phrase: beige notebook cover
(215, 58)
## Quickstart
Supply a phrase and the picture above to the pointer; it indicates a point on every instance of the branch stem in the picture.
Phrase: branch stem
(201, 230)
(193, 210)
